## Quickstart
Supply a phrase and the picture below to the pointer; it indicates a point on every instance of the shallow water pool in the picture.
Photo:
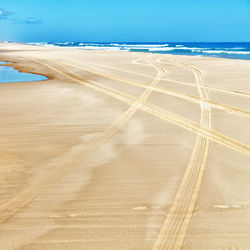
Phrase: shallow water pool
(9, 74)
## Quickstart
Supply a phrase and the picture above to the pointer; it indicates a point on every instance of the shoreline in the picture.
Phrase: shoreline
(147, 52)
(20, 68)
(14, 64)
(79, 149)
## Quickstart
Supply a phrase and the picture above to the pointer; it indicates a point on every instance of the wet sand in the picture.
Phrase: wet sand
(122, 150)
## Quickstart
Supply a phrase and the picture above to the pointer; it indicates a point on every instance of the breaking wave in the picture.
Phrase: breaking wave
(228, 50)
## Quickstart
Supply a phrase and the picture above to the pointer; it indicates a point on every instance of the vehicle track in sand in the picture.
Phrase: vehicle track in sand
(228, 91)
(174, 230)
(22, 199)
(182, 96)
(179, 216)
(176, 224)
(160, 112)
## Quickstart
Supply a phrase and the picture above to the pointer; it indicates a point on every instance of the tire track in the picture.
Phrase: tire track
(228, 91)
(185, 97)
(162, 113)
(25, 197)
(179, 216)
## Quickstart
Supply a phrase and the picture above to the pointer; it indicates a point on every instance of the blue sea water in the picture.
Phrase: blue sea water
(9, 74)
(239, 50)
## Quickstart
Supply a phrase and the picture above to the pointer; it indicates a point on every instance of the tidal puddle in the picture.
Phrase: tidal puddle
(9, 74)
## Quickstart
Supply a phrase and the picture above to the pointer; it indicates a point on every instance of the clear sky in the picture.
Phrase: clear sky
(125, 20)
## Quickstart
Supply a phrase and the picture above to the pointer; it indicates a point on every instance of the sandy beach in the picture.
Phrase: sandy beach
(124, 150)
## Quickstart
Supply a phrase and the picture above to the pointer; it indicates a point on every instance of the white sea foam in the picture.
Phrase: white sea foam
(99, 48)
(235, 48)
(93, 44)
(37, 43)
(139, 45)
(190, 48)
(226, 52)
(181, 48)
(156, 47)
(162, 49)
(50, 45)
(177, 48)
(193, 49)
(65, 43)
(44, 44)
(115, 44)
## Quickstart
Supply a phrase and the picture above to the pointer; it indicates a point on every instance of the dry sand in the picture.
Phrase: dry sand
(121, 150)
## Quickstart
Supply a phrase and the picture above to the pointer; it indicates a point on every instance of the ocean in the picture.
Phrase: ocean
(224, 50)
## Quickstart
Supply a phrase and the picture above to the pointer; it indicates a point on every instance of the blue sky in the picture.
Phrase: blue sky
(125, 21)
